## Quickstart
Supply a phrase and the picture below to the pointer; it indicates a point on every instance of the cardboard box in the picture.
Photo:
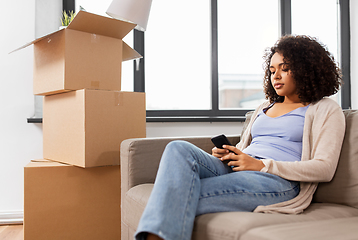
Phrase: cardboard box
(87, 54)
(72, 203)
(85, 127)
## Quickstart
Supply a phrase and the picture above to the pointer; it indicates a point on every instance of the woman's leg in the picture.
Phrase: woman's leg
(243, 191)
(191, 182)
(171, 208)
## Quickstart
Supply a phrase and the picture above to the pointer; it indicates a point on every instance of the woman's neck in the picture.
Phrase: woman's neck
(292, 100)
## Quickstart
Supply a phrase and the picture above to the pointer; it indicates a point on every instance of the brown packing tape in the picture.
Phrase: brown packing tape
(118, 99)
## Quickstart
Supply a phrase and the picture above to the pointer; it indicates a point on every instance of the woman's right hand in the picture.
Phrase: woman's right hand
(219, 152)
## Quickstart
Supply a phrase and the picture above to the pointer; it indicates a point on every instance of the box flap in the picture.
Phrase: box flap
(96, 24)
(92, 23)
(36, 40)
(129, 53)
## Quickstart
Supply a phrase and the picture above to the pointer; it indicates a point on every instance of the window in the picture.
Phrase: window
(236, 79)
(235, 85)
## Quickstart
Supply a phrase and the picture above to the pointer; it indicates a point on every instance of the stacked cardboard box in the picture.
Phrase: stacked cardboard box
(68, 202)
(75, 192)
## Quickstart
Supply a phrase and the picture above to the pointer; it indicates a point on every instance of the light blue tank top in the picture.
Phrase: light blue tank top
(278, 138)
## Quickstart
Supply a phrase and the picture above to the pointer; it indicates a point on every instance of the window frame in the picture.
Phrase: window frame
(215, 114)
(345, 52)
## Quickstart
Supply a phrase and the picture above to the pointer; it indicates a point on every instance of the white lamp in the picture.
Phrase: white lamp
(134, 11)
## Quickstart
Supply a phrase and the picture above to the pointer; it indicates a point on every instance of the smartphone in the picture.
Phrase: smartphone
(220, 140)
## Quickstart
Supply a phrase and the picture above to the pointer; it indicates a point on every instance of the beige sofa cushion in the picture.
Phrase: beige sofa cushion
(342, 229)
(343, 189)
(231, 225)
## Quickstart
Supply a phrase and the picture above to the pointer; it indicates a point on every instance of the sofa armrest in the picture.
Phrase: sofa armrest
(140, 157)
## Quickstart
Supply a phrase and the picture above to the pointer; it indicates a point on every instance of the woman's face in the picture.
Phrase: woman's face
(282, 79)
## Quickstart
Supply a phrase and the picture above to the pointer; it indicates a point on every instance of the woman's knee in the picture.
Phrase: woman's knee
(180, 150)
(176, 153)
(178, 145)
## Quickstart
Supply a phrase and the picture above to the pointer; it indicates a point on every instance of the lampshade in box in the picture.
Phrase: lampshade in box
(134, 11)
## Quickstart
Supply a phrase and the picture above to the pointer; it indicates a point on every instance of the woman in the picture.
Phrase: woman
(292, 142)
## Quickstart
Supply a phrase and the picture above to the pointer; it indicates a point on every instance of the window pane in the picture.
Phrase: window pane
(319, 20)
(177, 55)
(100, 8)
(244, 32)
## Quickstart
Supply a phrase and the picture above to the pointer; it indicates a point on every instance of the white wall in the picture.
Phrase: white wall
(192, 129)
(21, 141)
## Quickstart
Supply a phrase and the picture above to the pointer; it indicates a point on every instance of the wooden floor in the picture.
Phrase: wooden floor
(11, 232)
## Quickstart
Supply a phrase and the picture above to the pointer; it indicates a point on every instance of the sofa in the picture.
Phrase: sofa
(333, 213)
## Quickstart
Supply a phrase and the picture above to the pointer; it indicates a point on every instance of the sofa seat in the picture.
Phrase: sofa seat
(341, 228)
(232, 225)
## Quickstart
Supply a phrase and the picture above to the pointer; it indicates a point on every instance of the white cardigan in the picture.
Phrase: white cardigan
(323, 134)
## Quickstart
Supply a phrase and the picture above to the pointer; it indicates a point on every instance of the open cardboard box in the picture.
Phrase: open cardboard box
(86, 54)
(86, 127)
(72, 203)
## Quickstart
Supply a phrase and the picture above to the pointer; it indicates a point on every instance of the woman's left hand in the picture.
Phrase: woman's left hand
(241, 161)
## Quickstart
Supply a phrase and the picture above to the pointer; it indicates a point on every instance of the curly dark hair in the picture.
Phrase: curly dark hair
(313, 68)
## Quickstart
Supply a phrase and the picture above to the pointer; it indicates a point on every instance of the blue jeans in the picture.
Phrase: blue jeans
(191, 182)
